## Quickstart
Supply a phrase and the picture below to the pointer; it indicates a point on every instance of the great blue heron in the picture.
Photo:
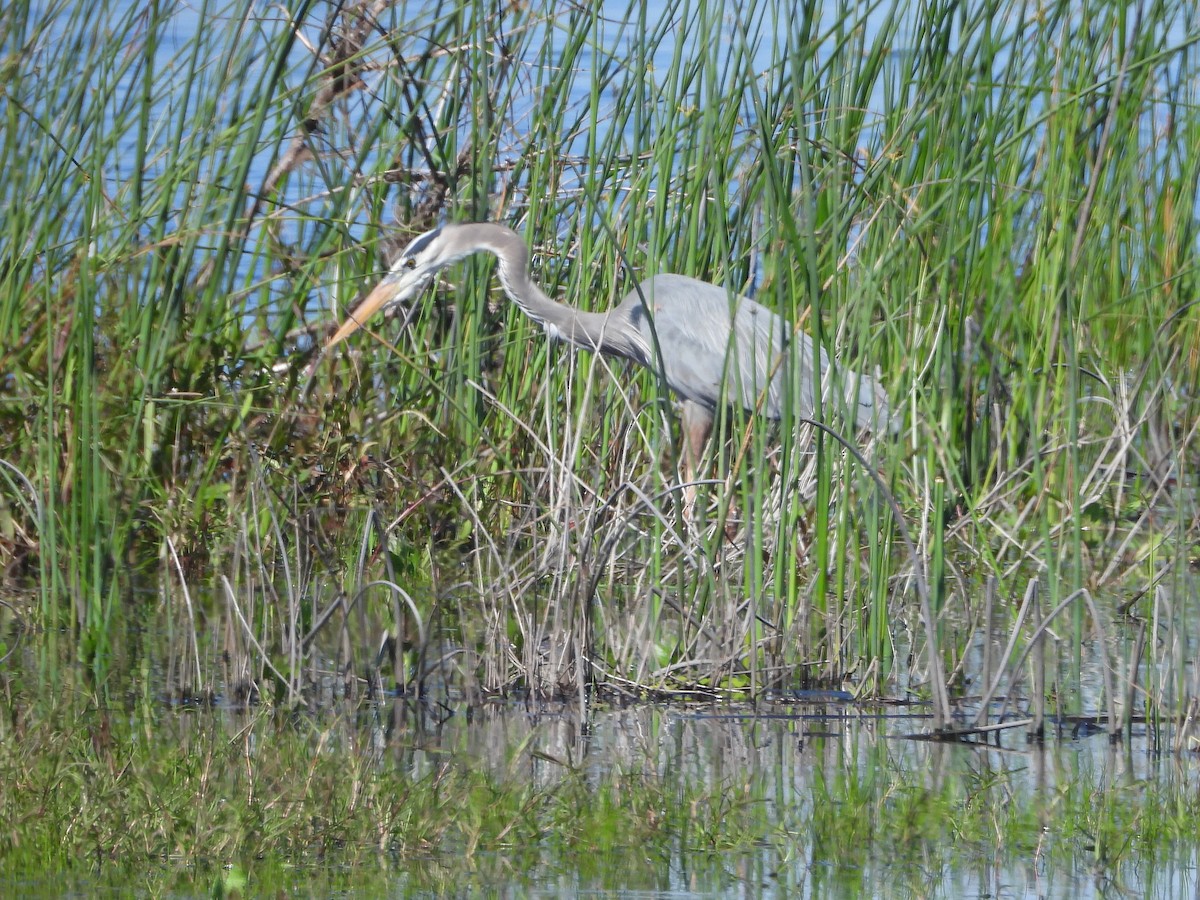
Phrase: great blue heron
(712, 347)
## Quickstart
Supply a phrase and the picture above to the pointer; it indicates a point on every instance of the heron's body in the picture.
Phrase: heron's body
(713, 347)
(726, 349)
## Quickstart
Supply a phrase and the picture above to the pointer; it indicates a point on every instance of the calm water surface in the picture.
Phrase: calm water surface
(790, 757)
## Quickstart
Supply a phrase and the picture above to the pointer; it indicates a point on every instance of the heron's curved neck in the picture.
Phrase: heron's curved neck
(589, 330)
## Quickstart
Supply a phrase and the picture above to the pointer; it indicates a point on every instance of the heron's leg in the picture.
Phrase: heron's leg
(697, 425)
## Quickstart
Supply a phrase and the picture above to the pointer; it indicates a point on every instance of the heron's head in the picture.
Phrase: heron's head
(409, 275)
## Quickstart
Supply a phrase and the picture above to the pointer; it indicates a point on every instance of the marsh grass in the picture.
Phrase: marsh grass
(995, 208)
(235, 790)
(176, 798)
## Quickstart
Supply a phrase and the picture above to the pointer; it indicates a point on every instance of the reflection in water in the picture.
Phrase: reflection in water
(827, 779)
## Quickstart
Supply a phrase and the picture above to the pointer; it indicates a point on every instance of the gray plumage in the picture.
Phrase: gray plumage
(714, 347)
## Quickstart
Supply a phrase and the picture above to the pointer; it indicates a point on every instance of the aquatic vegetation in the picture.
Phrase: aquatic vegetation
(219, 800)
(996, 208)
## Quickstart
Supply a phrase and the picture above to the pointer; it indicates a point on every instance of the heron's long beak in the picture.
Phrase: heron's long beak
(387, 289)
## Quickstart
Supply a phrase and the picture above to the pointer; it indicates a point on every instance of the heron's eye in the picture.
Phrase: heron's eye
(410, 263)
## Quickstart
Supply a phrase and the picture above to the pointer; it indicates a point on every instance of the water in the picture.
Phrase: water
(797, 765)
(653, 34)
(839, 801)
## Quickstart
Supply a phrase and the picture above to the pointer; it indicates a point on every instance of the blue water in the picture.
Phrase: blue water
(343, 190)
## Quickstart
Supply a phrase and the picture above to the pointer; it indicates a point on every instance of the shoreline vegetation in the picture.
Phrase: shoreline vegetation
(993, 205)
(459, 479)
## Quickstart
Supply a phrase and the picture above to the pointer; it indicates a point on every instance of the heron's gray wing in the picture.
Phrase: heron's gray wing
(719, 348)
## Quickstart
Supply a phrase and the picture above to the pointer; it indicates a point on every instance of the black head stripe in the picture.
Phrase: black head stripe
(420, 244)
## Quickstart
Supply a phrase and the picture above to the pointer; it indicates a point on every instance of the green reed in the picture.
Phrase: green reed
(996, 210)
